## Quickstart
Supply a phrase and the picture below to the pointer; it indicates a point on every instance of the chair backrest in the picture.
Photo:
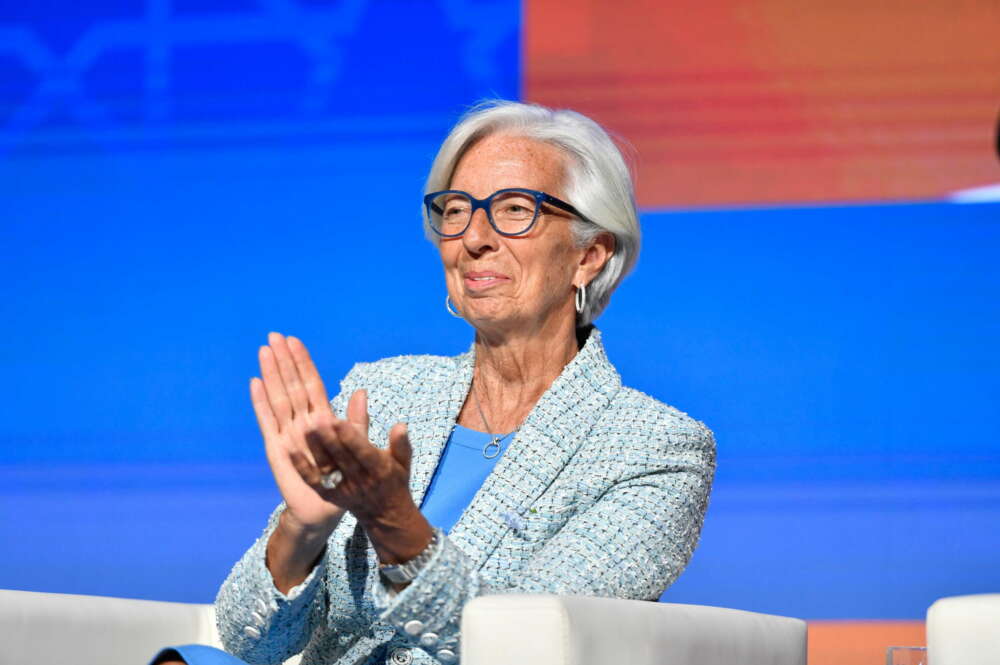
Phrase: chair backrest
(542, 629)
(964, 630)
(45, 628)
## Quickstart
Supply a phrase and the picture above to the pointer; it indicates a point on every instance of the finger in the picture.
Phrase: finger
(280, 461)
(289, 373)
(262, 408)
(274, 387)
(399, 445)
(315, 390)
(360, 448)
(357, 410)
(343, 457)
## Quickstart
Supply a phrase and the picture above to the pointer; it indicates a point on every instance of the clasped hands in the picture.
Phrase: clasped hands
(304, 439)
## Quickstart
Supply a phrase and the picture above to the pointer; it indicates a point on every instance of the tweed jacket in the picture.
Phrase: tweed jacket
(602, 492)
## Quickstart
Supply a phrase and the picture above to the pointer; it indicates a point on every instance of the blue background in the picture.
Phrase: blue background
(179, 178)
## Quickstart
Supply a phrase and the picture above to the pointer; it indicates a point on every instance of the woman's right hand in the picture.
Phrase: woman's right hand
(295, 417)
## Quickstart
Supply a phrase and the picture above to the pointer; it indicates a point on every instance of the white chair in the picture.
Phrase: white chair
(964, 630)
(48, 628)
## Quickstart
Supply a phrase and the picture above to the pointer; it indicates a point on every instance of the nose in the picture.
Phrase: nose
(480, 237)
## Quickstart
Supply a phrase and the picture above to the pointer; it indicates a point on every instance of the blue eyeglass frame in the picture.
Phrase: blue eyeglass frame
(540, 198)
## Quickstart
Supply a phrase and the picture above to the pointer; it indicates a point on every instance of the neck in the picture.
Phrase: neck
(512, 372)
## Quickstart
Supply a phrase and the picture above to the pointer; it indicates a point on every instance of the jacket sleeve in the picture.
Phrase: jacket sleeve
(631, 543)
(256, 621)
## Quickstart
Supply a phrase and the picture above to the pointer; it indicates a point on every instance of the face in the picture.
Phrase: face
(525, 282)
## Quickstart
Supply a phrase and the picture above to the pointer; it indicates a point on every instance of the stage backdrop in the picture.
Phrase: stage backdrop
(179, 178)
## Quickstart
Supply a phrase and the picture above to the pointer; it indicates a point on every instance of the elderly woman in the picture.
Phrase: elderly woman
(522, 465)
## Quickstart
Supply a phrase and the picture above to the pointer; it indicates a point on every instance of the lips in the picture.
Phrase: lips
(483, 279)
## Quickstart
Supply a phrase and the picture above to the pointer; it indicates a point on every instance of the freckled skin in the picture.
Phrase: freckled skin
(543, 265)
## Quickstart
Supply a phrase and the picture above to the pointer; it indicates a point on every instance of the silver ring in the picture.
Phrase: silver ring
(331, 480)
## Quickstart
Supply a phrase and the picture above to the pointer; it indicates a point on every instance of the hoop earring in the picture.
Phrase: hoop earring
(451, 309)
(581, 298)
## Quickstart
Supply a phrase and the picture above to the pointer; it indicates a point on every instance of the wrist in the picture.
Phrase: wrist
(398, 539)
(400, 575)
(299, 532)
(293, 551)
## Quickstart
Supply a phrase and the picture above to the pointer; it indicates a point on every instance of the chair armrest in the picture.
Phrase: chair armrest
(557, 630)
(46, 628)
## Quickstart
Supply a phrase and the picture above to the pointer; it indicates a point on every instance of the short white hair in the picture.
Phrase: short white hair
(598, 181)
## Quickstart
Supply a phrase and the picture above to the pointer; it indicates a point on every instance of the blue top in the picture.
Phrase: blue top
(463, 468)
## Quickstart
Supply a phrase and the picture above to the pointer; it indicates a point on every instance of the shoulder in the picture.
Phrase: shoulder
(633, 414)
(399, 384)
(402, 373)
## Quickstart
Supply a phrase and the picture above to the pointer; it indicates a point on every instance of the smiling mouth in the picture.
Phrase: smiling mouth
(479, 282)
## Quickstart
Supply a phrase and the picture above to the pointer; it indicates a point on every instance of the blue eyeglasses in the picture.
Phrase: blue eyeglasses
(511, 212)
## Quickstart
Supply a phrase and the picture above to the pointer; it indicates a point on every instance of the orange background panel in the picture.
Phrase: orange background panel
(766, 101)
(860, 642)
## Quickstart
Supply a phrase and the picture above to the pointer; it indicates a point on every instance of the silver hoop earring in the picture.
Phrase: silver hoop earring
(581, 298)
(451, 309)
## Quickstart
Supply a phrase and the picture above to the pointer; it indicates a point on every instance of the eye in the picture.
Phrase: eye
(514, 206)
(456, 208)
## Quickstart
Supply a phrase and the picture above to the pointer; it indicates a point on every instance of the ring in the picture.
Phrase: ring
(331, 480)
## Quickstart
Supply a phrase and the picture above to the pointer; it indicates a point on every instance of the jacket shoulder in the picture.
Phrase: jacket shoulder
(633, 413)
(401, 374)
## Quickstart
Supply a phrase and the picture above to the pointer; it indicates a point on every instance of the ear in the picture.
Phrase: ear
(594, 258)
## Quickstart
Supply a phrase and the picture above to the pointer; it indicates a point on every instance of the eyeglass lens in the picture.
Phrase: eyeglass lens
(512, 212)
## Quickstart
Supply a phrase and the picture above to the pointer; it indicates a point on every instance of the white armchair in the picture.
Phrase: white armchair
(964, 630)
(46, 628)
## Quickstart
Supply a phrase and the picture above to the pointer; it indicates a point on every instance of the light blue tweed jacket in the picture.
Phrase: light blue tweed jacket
(602, 492)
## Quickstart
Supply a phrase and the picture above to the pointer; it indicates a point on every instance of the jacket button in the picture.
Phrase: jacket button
(413, 627)
(400, 656)
(250, 631)
(447, 656)
(428, 640)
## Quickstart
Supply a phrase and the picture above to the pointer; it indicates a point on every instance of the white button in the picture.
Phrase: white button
(261, 607)
(401, 656)
(257, 619)
(447, 656)
(251, 631)
(413, 627)
(428, 640)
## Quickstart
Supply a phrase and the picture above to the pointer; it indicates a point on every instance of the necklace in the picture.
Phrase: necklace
(492, 447)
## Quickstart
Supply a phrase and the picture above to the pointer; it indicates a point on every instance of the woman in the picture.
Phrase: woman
(522, 465)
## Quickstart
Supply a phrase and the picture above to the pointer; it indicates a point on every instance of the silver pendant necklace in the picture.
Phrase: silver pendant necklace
(492, 447)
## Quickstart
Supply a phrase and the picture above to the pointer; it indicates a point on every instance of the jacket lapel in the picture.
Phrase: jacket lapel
(432, 422)
(550, 436)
